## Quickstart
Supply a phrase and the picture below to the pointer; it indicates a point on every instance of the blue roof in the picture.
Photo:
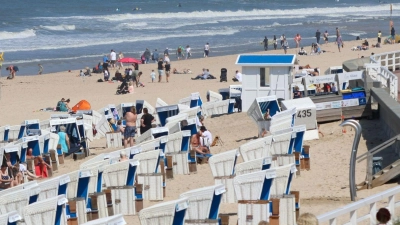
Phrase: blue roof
(273, 60)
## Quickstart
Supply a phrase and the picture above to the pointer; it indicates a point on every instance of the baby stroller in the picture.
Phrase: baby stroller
(123, 88)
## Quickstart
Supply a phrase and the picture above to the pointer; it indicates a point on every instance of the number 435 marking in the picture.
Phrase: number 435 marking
(304, 113)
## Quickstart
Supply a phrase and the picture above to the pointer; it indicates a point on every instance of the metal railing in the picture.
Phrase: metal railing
(351, 209)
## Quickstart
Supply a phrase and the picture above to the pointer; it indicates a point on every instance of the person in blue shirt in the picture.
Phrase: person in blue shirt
(105, 59)
(156, 56)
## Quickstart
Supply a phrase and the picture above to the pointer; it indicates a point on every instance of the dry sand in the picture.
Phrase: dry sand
(323, 188)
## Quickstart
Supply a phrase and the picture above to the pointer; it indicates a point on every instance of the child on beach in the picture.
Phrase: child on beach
(153, 76)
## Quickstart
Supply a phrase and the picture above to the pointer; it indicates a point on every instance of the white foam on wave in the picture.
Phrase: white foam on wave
(4, 35)
(113, 40)
(357, 33)
(131, 26)
(209, 14)
(58, 27)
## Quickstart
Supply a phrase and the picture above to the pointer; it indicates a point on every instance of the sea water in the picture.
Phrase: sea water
(68, 35)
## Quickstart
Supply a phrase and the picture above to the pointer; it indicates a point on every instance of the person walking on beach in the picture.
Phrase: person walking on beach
(337, 32)
(206, 50)
(265, 43)
(318, 36)
(120, 56)
(282, 38)
(339, 42)
(167, 70)
(393, 34)
(275, 42)
(152, 76)
(160, 69)
(379, 36)
(166, 51)
(147, 55)
(130, 128)
(179, 52)
(113, 57)
(188, 52)
(297, 39)
(285, 45)
(155, 56)
(40, 69)
(326, 37)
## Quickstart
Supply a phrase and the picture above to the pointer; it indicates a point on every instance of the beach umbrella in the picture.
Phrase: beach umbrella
(129, 60)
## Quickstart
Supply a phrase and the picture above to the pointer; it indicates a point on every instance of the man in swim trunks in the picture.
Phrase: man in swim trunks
(196, 144)
(130, 129)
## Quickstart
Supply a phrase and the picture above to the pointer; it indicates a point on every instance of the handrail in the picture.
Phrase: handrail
(378, 148)
(351, 209)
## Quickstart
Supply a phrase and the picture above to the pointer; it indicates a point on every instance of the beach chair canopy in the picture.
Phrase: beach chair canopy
(261, 105)
(48, 211)
(53, 187)
(10, 218)
(256, 149)
(253, 165)
(164, 112)
(223, 164)
(114, 220)
(167, 213)
(81, 105)
(204, 202)
(214, 96)
(254, 186)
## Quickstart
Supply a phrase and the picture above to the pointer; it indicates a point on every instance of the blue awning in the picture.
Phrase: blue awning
(266, 60)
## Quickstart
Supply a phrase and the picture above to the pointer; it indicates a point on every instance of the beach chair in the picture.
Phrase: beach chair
(119, 178)
(160, 103)
(3, 133)
(166, 111)
(218, 108)
(195, 100)
(152, 134)
(46, 212)
(44, 124)
(166, 213)
(256, 149)
(12, 133)
(281, 143)
(283, 179)
(213, 96)
(259, 107)
(185, 101)
(253, 195)
(283, 120)
(149, 176)
(111, 220)
(254, 165)
(53, 187)
(179, 153)
(77, 194)
(14, 149)
(16, 200)
(203, 204)
(102, 127)
(10, 218)
(223, 169)
(44, 140)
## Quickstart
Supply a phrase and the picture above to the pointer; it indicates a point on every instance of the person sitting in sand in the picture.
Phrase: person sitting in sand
(40, 165)
(202, 76)
(67, 104)
(196, 144)
(61, 105)
(302, 51)
(122, 156)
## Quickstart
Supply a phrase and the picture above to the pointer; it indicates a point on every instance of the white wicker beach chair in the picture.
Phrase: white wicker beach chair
(102, 127)
(111, 220)
(152, 186)
(150, 145)
(253, 187)
(13, 132)
(256, 149)
(53, 141)
(53, 187)
(146, 136)
(173, 127)
(160, 103)
(164, 213)
(223, 169)
(123, 200)
(18, 187)
(191, 112)
(17, 200)
(74, 182)
(148, 162)
(200, 202)
(281, 143)
(174, 143)
(253, 165)
(177, 118)
(46, 212)
(282, 181)
(185, 101)
(214, 96)
(10, 218)
(44, 124)
(116, 174)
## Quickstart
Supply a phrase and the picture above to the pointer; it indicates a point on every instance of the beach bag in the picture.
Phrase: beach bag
(16, 69)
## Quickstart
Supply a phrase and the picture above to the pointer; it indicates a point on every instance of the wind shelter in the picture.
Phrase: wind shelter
(81, 105)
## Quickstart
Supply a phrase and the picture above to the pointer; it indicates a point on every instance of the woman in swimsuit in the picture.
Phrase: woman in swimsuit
(5, 180)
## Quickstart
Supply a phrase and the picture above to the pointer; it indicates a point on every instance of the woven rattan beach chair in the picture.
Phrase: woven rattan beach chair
(174, 143)
(53, 187)
(283, 179)
(116, 174)
(281, 143)
(203, 204)
(253, 194)
(17, 200)
(10, 218)
(166, 111)
(256, 149)
(191, 112)
(114, 220)
(214, 96)
(160, 103)
(46, 212)
(253, 165)
(167, 213)
(223, 169)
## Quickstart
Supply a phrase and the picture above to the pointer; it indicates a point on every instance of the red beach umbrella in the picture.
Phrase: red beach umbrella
(130, 60)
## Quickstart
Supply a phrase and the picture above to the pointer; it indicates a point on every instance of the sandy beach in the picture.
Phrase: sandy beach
(323, 188)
